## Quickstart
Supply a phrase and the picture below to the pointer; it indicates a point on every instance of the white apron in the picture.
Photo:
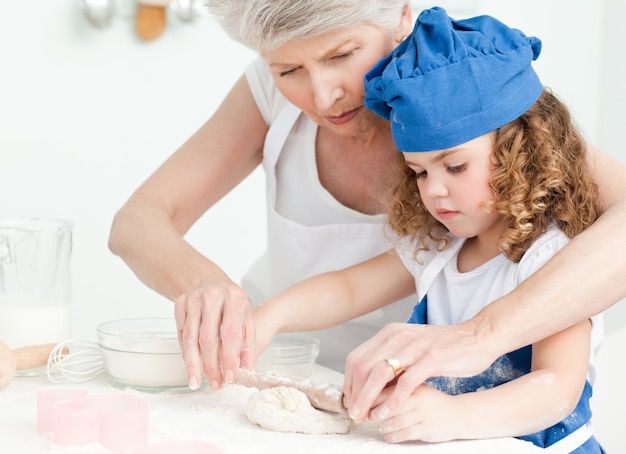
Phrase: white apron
(296, 252)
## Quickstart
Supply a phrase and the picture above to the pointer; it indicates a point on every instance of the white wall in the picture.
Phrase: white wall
(613, 113)
(87, 114)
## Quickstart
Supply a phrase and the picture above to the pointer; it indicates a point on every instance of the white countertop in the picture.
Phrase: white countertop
(215, 417)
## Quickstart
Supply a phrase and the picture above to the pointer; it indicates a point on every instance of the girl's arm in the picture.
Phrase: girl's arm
(335, 297)
(528, 404)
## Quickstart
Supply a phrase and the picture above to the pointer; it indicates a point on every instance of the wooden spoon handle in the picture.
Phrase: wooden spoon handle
(32, 356)
(151, 18)
(7, 365)
(324, 396)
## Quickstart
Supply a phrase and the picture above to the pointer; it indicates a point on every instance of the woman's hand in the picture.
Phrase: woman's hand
(423, 351)
(216, 332)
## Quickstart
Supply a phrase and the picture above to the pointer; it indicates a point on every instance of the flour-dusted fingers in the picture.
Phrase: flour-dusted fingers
(249, 349)
(396, 350)
(188, 315)
(384, 394)
(236, 322)
(369, 369)
(359, 365)
(214, 323)
(422, 351)
(427, 415)
(390, 402)
(367, 404)
(215, 299)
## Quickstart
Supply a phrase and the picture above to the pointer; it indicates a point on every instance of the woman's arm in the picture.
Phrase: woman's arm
(585, 278)
(335, 297)
(532, 402)
(148, 231)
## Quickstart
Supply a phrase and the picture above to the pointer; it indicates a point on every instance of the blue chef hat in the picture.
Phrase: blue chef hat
(452, 81)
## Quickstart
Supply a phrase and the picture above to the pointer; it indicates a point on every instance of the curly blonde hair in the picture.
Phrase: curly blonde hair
(540, 175)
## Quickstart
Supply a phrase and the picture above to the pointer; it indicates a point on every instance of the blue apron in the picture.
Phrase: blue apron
(509, 367)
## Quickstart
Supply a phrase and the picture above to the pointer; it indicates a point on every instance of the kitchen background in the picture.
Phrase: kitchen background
(87, 113)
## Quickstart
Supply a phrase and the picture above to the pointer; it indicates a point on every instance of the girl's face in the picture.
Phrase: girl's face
(323, 75)
(454, 185)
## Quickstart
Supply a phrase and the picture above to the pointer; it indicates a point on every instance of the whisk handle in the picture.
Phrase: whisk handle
(32, 356)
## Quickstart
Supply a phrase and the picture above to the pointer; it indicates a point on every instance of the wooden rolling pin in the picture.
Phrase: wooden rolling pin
(22, 358)
(323, 396)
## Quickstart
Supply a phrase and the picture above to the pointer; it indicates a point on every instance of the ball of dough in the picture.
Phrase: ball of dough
(286, 409)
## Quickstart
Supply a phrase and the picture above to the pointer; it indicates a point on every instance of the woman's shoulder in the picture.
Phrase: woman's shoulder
(268, 98)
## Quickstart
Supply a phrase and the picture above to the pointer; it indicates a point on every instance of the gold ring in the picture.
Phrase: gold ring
(395, 365)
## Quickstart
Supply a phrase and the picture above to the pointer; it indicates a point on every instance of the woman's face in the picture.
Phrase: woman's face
(323, 75)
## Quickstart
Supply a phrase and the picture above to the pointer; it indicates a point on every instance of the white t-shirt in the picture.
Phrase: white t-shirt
(454, 297)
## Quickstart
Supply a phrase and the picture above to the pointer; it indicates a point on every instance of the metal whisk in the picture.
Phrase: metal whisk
(75, 361)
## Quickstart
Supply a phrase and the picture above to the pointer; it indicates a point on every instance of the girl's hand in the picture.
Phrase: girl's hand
(427, 415)
(216, 332)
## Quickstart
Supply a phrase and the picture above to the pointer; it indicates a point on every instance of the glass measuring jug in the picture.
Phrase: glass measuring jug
(34, 281)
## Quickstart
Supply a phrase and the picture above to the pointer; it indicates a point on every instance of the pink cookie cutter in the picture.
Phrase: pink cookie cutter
(45, 399)
(119, 422)
(186, 447)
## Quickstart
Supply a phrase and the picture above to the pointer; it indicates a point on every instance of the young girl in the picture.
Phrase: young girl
(493, 181)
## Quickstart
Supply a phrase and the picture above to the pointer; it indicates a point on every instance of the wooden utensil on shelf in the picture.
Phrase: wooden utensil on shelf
(22, 358)
(151, 18)
(323, 396)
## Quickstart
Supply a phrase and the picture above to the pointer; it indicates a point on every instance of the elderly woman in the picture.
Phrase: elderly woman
(299, 112)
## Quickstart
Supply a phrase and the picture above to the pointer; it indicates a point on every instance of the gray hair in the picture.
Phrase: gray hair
(267, 24)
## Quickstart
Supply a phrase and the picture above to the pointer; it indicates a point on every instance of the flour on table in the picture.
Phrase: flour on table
(286, 409)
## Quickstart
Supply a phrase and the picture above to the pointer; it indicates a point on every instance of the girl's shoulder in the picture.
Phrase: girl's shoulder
(552, 240)
(543, 249)
(415, 257)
